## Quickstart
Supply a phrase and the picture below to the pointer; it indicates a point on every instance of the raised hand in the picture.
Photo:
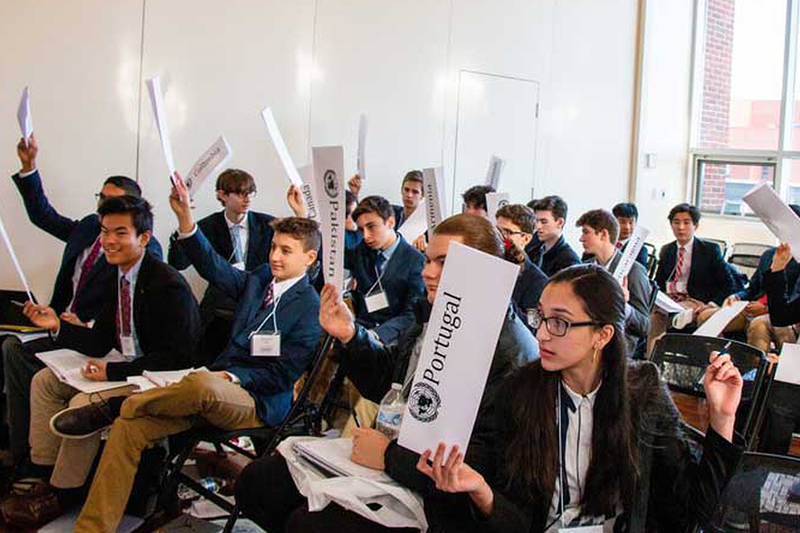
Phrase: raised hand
(334, 316)
(723, 386)
(420, 243)
(27, 154)
(782, 257)
(42, 316)
(295, 200)
(181, 204)
(355, 184)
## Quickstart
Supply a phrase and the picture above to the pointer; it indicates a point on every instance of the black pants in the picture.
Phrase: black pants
(266, 494)
(20, 364)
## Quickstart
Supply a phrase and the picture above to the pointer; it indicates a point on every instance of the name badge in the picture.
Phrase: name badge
(581, 529)
(265, 344)
(376, 302)
(128, 346)
(238, 266)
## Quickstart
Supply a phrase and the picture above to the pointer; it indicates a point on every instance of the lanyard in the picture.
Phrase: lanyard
(560, 455)
(377, 282)
(271, 315)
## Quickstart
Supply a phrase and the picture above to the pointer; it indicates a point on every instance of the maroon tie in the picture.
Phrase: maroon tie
(619, 245)
(87, 266)
(678, 269)
(124, 311)
(270, 297)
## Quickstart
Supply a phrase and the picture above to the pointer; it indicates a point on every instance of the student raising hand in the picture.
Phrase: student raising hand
(27, 154)
(181, 204)
(782, 257)
(723, 385)
(334, 316)
(295, 200)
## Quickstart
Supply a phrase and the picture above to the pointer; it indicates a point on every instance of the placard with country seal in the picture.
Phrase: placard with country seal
(458, 349)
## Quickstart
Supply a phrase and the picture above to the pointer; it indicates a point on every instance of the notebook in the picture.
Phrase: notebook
(333, 456)
(67, 365)
(11, 317)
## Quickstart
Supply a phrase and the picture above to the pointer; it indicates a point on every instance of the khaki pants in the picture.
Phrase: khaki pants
(660, 322)
(147, 418)
(761, 333)
(72, 458)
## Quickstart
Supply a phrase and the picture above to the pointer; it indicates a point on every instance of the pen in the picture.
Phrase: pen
(355, 418)
(18, 304)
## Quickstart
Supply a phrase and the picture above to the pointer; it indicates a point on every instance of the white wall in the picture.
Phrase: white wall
(319, 64)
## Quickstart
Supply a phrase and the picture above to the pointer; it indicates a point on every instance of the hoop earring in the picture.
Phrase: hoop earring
(594, 354)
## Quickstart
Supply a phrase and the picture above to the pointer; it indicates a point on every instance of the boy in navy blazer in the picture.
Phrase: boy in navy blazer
(387, 271)
(149, 315)
(242, 237)
(79, 289)
(553, 253)
(275, 333)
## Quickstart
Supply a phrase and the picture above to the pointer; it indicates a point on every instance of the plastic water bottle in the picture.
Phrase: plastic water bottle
(390, 414)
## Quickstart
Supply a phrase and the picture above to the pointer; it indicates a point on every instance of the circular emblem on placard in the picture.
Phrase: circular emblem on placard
(424, 402)
(331, 183)
(502, 203)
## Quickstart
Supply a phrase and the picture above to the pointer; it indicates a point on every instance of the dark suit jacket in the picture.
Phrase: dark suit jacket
(399, 216)
(78, 235)
(530, 284)
(709, 278)
(557, 258)
(165, 315)
(783, 296)
(401, 281)
(269, 380)
(755, 288)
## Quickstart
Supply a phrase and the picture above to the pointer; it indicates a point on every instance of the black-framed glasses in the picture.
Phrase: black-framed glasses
(555, 325)
(508, 233)
(243, 194)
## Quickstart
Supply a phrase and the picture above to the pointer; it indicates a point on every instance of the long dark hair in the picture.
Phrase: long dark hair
(531, 455)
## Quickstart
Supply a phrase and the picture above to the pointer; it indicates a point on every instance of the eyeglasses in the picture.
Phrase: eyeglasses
(100, 196)
(243, 194)
(555, 325)
(508, 233)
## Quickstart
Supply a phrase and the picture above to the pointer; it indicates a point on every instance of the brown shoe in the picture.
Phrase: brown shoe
(37, 506)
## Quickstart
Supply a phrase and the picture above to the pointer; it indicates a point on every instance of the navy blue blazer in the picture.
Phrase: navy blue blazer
(401, 281)
(165, 316)
(269, 380)
(79, 235)
(709, 278)
(557, 258)
(399, 216)
(755, 288)
(528, 289)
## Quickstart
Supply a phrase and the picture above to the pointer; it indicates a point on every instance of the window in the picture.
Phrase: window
(745, 118)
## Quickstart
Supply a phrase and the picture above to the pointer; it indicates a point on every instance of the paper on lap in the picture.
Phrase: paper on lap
(789, 364)
(280, 147)
(667, 304)
(157, 101)
(67, 364)
(24, 116)
(776, 215)
(714, 326)
(635, 243)
(458, 349)
(151, 379)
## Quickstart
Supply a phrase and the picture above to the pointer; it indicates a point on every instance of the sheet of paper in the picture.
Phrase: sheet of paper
(26, 337)
(334, 455)
(329, 184)
(280, 146)
(789, 365)
(157, 101)
(363, 128)
(211, 162)
(14, 259)
(416, 224)
(714, 326)
(777, 216)
(496, 166)
(307, 189)
(433, 190)
(635, 243)
(494, 201)
(67, 365)
(457, 350)
(167, 377)
(24, 115)
(667, 304)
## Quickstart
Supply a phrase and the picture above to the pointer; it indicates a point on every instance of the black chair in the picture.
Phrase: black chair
(302, 419)
(746, 256)
(759, 493)
(682, 360)
(652, 260)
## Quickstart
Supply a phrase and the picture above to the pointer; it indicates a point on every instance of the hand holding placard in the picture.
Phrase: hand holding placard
(24, 116)
(181, 204)
(27, 153)
(334, 316)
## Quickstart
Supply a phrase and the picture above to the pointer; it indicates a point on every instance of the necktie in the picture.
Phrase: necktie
(269, 299)
(619, 245)
(124, 311)
(87, 266)
(236, 237)
(678, 268)
(380, 262)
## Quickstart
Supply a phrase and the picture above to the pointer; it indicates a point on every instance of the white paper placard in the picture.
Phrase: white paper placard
(24, 115)
(667, 304)
(789, 365)
(416, 224)
(157, 101)
(306, 173)
(280, 146)
(363, 128)
(496, 166)
(14, 259)
(635, 243)
(433, 190)
(494, 201)
(458, 349)
(778, 217)
(329, 181)
(209, 163)
(714, 326)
